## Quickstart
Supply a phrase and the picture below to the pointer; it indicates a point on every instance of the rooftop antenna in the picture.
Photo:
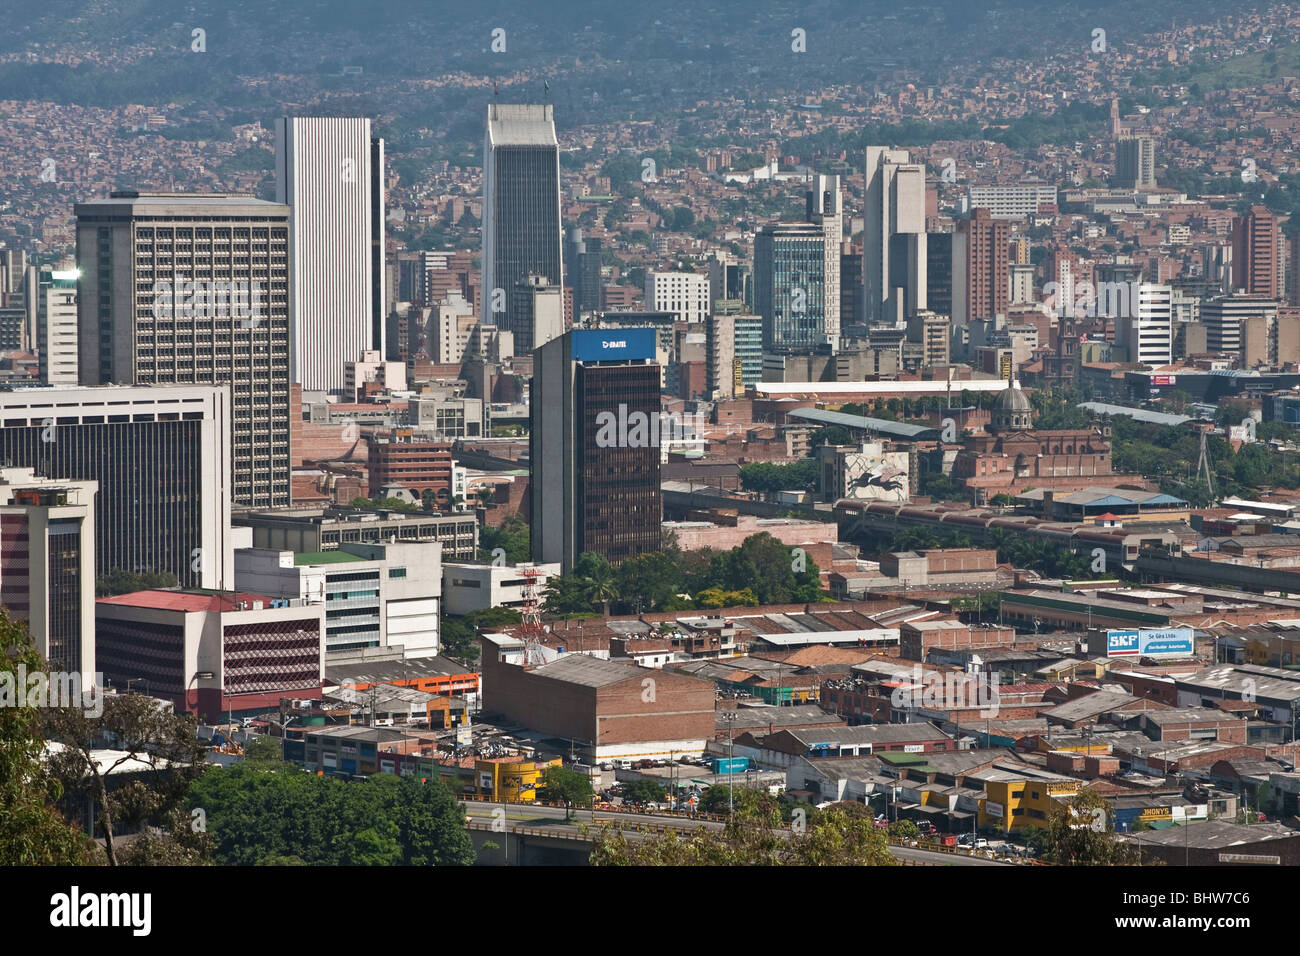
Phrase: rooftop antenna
(530, 627)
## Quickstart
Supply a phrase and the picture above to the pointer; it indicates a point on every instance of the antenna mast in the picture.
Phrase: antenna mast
(530, 627)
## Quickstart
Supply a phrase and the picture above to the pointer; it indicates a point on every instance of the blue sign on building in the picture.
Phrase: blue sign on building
(1173, 642)
(612, 345)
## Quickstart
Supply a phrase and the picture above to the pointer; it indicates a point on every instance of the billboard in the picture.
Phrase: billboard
(1164, 379)
(1170, 642)
(612, 345)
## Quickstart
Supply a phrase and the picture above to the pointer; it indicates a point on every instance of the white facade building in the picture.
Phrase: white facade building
(381, 599)
(685, 294)
(329, 171)
(476, 587)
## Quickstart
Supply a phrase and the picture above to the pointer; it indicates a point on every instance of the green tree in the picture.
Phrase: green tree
(134, 730)
(32, 832)
(258, 816)
(753, 838)
(127, 582)
(562, 785)
(512, 538)
(1070, 839)
(643, 791)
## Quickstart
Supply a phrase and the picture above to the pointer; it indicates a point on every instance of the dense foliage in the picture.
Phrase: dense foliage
(760, 570)
(257, 815)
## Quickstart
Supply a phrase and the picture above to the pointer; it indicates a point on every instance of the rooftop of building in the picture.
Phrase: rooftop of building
(324, 557)
(187, 601)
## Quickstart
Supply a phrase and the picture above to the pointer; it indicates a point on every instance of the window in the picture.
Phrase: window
(397, 572)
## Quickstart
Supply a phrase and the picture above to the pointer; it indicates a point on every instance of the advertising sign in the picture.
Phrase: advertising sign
(1170, 642)
(993, 809)
(1121, 643)
(612, 345)
(1164, 379)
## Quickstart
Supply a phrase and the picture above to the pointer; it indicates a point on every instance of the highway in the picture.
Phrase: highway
(552, 820)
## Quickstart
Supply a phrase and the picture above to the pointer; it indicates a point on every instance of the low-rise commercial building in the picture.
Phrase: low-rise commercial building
(211, 653)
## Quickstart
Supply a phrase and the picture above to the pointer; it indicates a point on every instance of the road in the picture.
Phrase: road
(552, 819)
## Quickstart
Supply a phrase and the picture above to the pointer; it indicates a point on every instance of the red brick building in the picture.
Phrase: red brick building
(608, 709)
(415, 465)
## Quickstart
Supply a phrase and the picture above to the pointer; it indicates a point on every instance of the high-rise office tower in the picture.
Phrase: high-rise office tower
(731, 279)
(13, 270)
(720, 350)
(330, 173)
(1021, 283)
(938, 272)
(56, 326)
(1226, 317)
(160, 457)
(825, 208)
(1255, 253)
(1009, 201)
(1135, 162)
(1148, 331)
(536, 314)
(521, 203)
(685, 294)
(790, 286)
(47, 565)
(979, 267)
(894, 255)
(194, 289)
(582, 261)
(850, 287)
(594, 446)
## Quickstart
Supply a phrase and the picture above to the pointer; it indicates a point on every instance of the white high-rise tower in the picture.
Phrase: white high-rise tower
(330, 172)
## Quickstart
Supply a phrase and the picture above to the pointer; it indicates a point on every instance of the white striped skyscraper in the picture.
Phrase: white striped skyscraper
(330, 172)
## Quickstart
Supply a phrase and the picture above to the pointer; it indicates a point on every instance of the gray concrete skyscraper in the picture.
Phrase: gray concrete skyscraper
(521, 203)
(894, 256)
(330, 172)
(194, 290)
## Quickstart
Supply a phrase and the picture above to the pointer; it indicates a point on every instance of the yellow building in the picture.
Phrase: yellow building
(1020, 801)
(510, 779)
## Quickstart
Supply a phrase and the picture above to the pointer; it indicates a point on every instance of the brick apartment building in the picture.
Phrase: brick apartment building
(417, 466)
(917, 638)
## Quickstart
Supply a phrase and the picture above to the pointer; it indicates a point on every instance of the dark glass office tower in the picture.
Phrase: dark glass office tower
(521, 203)
(595, 446)
(938, 272)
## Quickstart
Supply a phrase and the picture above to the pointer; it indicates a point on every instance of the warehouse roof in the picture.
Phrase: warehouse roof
(588, 671)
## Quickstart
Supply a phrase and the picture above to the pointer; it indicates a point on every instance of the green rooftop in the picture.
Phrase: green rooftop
(325, 557)
(911, 761)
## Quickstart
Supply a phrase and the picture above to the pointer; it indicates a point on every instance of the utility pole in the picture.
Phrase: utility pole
(730, 718)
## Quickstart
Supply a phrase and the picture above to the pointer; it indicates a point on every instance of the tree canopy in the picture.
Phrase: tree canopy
(259, 816)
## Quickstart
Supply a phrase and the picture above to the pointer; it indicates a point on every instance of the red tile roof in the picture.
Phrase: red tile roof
(186, 601)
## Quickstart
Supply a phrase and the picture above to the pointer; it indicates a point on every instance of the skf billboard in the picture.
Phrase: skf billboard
(1175, 642)
(612, 345)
